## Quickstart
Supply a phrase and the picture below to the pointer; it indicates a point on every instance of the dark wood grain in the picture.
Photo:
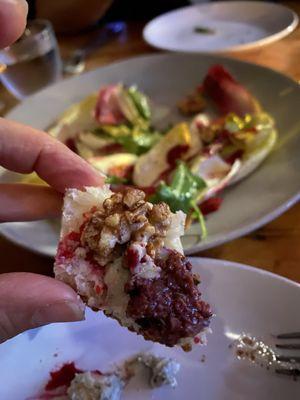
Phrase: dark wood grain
(276, 246)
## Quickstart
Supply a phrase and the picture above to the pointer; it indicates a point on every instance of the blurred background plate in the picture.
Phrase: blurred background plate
(221, 26)
(268, 192)
(244, 299)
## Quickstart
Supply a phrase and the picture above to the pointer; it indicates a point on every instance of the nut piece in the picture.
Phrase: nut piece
(113, 220)
(113, 203)
(91, 232)
(160, 216)
(144, 234)
(132, 196)
(153, 245)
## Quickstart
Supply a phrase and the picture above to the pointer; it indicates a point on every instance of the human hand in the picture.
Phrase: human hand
(29, 300)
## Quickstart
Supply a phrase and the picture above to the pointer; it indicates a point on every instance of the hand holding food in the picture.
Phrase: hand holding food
(29, 300)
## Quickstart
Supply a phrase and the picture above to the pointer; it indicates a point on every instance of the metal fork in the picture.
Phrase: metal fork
(292, 369)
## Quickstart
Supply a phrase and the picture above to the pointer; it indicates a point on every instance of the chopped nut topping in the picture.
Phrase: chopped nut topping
(126, 216)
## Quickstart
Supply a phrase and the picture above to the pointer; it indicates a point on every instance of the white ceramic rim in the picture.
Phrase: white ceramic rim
(245, 267)
(237, 233)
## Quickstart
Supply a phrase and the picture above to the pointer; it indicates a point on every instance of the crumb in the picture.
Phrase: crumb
(203, 358)
(163, 370)
(95, 385)
(86, 385)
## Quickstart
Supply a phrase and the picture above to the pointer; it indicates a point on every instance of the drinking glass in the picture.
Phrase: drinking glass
(32, 62)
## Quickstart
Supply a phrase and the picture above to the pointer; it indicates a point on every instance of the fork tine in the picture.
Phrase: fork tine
(295, 372)
(291, 346)
(291, 335)
(291, 359)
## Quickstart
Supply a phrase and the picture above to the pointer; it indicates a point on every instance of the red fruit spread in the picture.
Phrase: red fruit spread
(170, 307)
(110, 149)
(235, 156)
(149, 190)
(210, 205)
(67, 246)
(176, 152)
(132, 259)
(62, 377)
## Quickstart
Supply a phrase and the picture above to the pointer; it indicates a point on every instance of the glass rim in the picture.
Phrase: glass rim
(46, 27)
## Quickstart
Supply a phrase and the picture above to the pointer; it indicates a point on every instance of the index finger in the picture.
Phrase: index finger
(24, 149)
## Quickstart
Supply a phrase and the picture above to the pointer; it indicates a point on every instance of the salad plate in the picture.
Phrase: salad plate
(271, 178)
(221, 26)
(211, 372)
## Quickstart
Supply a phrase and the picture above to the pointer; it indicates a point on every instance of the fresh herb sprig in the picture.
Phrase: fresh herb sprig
(182, 193)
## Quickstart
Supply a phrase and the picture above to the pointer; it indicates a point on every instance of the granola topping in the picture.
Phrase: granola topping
(126, 217)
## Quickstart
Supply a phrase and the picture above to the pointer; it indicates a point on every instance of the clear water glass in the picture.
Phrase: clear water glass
(33, 62)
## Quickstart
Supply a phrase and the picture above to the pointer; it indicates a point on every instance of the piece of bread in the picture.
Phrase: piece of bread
(124, 256)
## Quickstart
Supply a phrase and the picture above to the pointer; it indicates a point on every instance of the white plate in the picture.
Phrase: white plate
(243, 298)
(236, 25)
(268, 192)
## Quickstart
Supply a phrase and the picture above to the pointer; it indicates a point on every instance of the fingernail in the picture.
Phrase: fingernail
(64, 311)
(22, 3)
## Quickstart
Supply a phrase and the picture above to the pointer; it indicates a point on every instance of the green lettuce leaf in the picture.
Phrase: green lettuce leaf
(140, 101)
(139, 142)
(198, 214)
(112, 179)
(182, 193)
(134, 139)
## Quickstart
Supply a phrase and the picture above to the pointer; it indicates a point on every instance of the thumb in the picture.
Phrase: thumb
(12, 20)
(29, 300)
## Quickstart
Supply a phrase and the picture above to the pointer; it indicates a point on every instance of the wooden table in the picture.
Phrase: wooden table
(276, 246)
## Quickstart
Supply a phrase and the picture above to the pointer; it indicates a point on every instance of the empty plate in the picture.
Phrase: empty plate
(221, 26)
